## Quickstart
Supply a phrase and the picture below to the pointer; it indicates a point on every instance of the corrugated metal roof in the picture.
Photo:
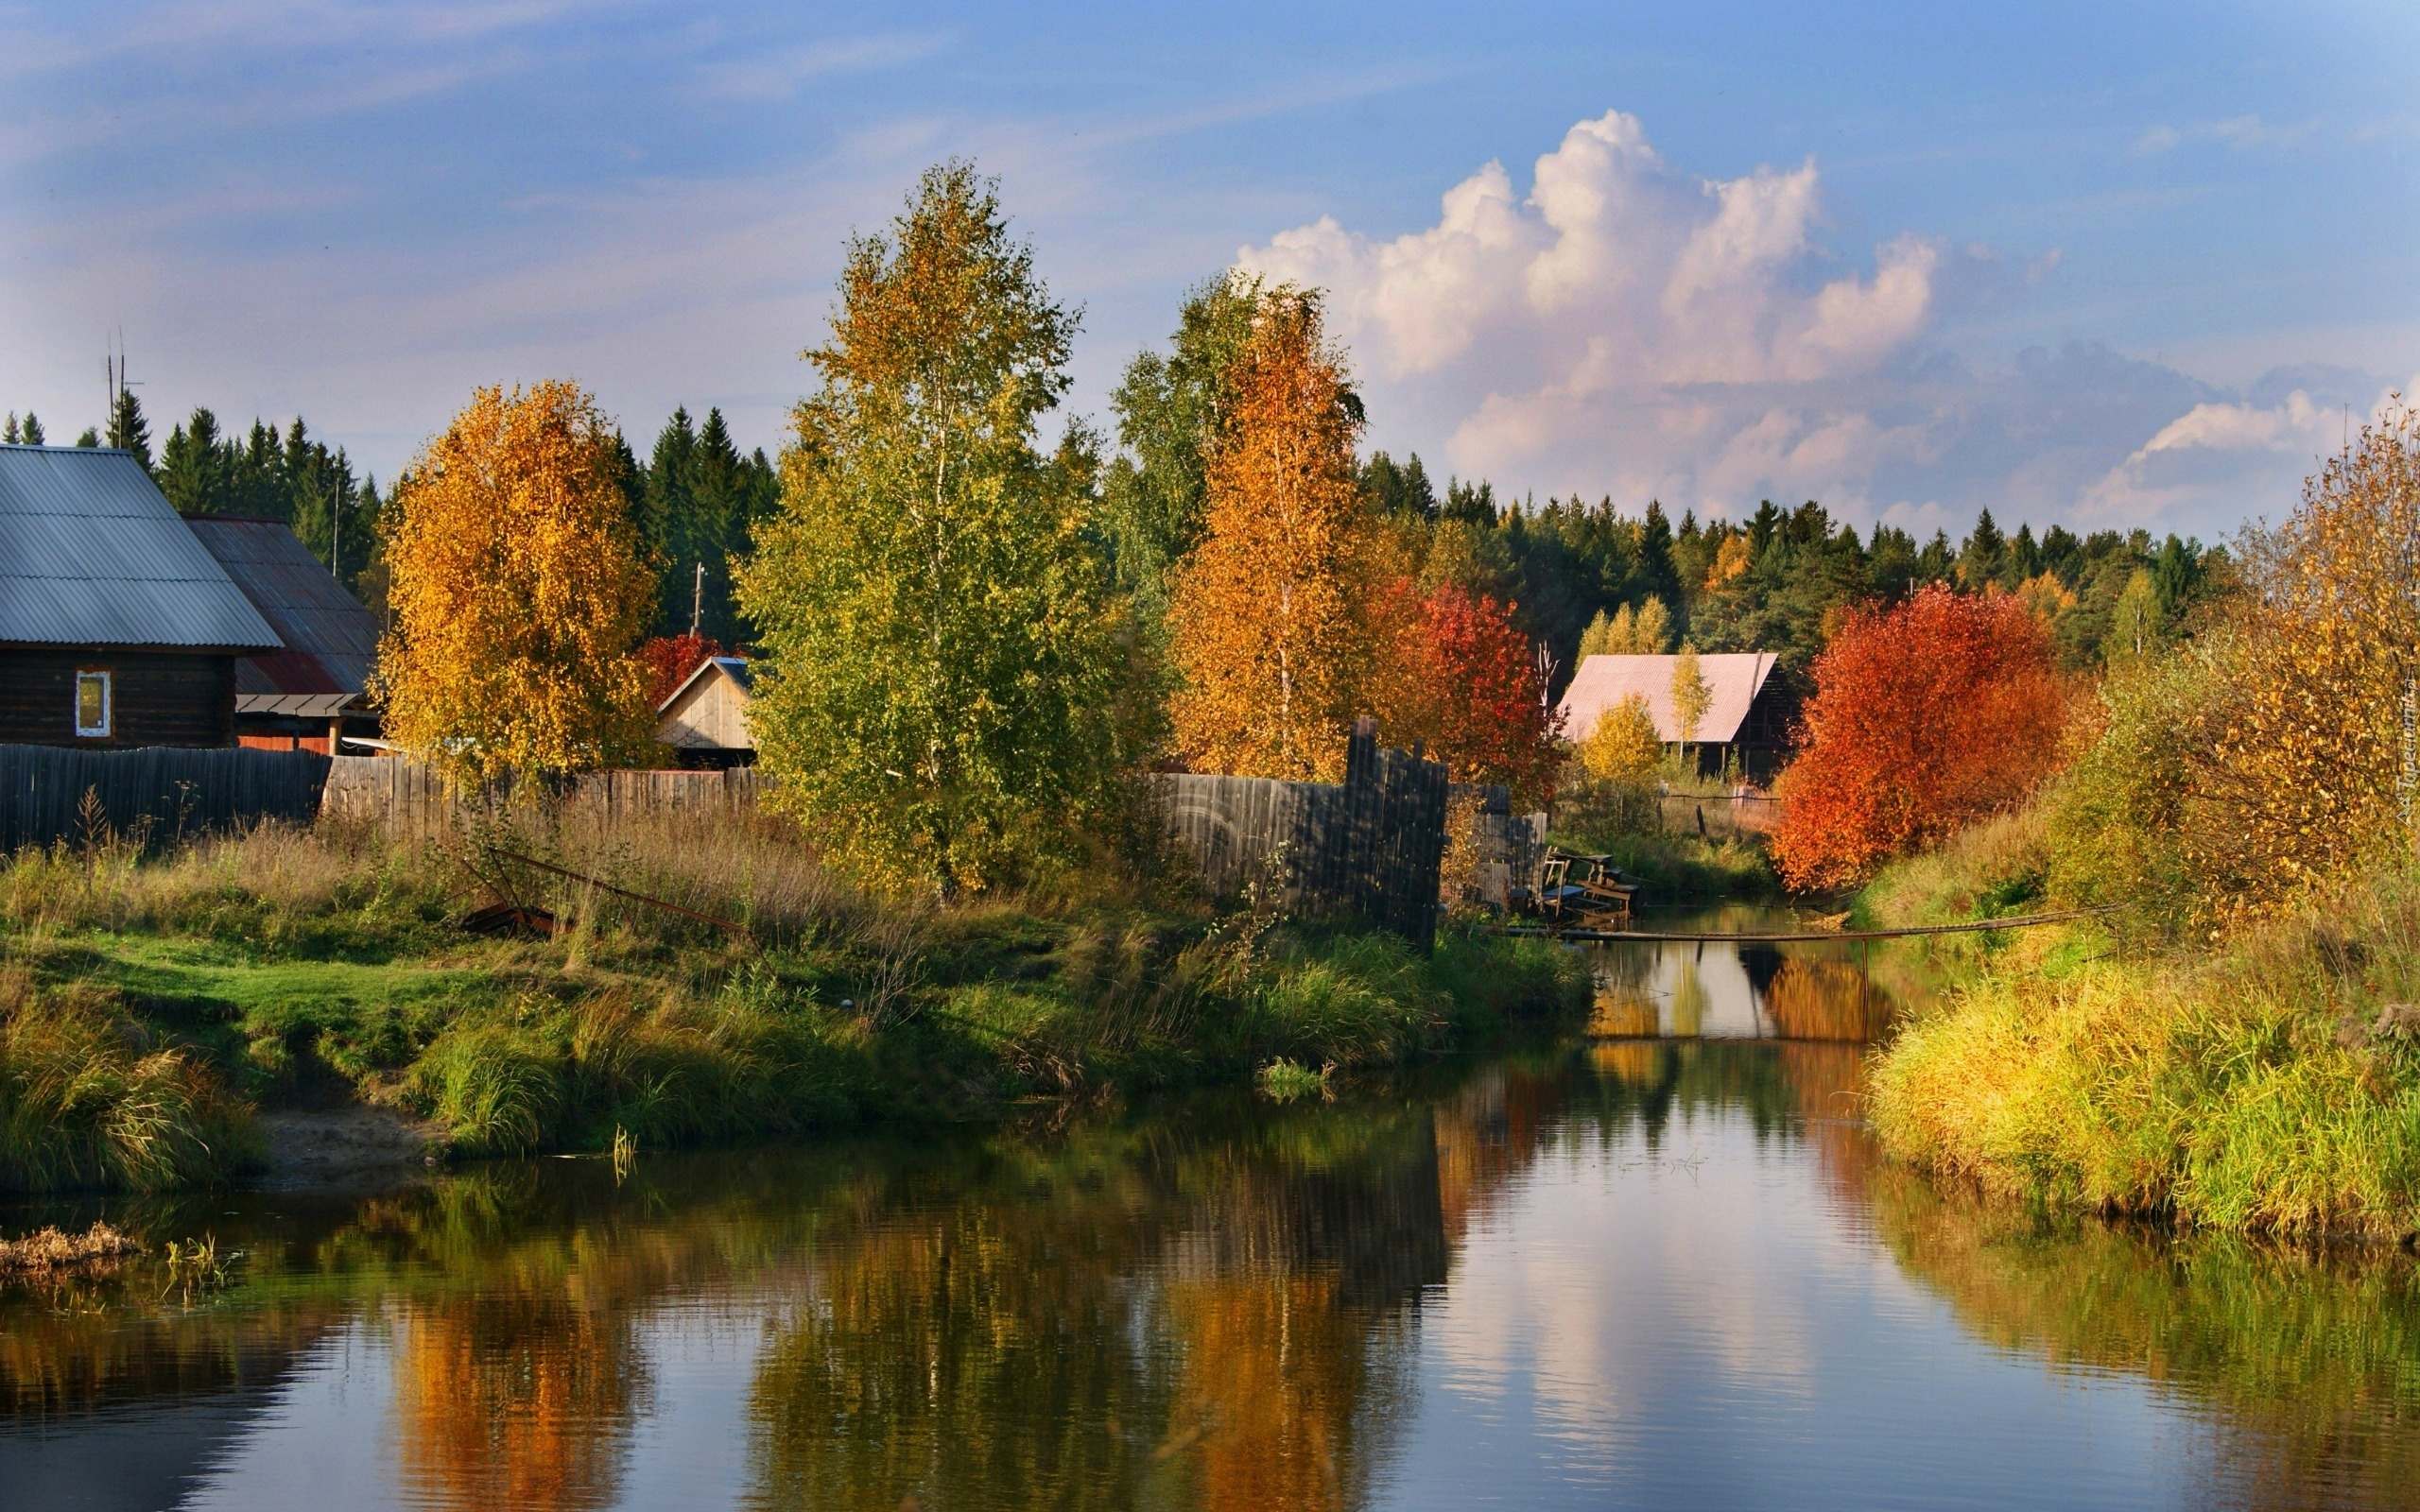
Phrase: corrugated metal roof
(1734, 677)
(92, 555)
(331, 640)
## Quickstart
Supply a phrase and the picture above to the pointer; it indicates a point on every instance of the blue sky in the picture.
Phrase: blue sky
(2107, 265)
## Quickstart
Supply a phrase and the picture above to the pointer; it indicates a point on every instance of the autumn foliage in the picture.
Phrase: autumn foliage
(1264, 624)
(670, 659)
(519, 592)
(1452, 672)
(1927, 715)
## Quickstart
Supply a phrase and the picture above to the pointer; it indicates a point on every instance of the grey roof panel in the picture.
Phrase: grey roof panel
(91, 554)
(299, 598)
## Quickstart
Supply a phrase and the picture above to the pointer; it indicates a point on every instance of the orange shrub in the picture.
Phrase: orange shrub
(1927, 717)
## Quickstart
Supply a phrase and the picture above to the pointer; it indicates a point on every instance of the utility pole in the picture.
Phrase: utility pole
(697, 602)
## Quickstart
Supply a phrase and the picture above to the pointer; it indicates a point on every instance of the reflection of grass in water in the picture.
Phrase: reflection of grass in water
(2313, 1365)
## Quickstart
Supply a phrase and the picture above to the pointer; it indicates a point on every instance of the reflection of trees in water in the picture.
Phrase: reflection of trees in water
(514, 1401)
(1810, 998)
(1214, 1316)
(2308, 1370)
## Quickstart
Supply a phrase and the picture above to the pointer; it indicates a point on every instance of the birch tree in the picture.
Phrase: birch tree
(940, 657)
(1267, 639)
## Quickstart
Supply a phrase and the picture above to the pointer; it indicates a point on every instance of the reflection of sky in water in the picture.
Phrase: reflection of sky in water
(1700, 1326)
(1652, 1275)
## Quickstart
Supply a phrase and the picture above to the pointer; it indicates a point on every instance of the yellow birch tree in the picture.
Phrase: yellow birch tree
(519, 592)
(1265, 621)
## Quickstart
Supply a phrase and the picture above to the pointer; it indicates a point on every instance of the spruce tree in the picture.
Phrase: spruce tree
(128, 429)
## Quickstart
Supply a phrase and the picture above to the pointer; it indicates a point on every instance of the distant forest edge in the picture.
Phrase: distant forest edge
(1776, 581)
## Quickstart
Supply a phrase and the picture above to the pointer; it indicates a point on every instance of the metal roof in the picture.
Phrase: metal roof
(1734, 678)
(91, 554)
(331, 640)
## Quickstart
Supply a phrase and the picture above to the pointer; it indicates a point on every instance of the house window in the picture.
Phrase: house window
(92, 705)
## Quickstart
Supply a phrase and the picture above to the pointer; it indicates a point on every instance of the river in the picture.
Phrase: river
(1663, 1267)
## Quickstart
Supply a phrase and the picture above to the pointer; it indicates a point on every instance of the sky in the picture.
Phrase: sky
(2103, 266)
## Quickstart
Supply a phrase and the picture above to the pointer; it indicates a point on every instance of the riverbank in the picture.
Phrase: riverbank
(155, 1007)
(2265, 1083)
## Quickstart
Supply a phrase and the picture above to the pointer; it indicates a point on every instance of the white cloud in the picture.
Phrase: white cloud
(1628, 327)
(2214, 448)
(2242, 132)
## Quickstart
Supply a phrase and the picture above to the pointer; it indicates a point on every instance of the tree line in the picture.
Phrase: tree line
(694, 501)
(969, 634)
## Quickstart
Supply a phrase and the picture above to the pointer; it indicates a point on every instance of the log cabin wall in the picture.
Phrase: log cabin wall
(157, 698)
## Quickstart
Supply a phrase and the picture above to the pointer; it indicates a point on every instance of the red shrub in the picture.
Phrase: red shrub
(1927, 717)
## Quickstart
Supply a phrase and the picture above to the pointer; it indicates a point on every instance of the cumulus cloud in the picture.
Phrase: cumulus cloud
(1627, 327)
(2222, 445)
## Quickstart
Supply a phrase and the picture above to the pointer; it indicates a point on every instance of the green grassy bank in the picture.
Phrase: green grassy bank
(150, 1006)
(2231, 1083)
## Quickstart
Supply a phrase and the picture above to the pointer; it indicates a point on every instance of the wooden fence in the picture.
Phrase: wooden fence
(412, 798)
(156, 794)
(1512, 847)
(1370, 847)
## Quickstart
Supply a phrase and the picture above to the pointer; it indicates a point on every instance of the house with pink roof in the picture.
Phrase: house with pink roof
(1747, 719)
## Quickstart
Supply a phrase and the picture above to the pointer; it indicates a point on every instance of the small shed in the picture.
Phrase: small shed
(117, 628)
(311, 694)
(705, 719)
(1748, 713)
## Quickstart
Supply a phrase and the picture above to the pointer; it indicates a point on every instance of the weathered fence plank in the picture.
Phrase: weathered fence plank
(157, 794)
(1370, 847)
(411, 797)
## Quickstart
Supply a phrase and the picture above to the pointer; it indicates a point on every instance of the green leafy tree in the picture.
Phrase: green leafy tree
(1170, 409)
(942, 660)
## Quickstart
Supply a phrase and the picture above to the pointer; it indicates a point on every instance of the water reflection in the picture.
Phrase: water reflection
(1718, 989)
(1646, 1272)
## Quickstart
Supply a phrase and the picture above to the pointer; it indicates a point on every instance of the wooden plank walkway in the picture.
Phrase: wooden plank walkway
(1687, 938)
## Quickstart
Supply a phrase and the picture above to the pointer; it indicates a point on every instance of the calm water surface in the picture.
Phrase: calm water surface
(1635, 1273)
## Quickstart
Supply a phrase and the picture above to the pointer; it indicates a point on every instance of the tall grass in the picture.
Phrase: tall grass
(2237, 1092)
(286, 963)
(86, 1099)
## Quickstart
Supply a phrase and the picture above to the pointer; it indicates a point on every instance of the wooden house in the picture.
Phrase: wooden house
(117, 627)
(705, 719)
(311, 692)
(1747, 714)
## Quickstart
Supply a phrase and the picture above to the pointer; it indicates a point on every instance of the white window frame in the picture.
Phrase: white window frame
(109, 711)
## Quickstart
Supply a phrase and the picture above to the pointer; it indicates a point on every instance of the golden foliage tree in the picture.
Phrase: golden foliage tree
(2300, 763)
(1622, 746)
(519, 592)
(1691, 696)
(1628, 632)
(1264, 624)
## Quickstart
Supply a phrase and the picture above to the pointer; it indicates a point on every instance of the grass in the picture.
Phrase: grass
(151, 1004)
(2232, 1088)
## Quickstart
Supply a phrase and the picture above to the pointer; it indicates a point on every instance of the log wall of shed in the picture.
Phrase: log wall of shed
(157, 698)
